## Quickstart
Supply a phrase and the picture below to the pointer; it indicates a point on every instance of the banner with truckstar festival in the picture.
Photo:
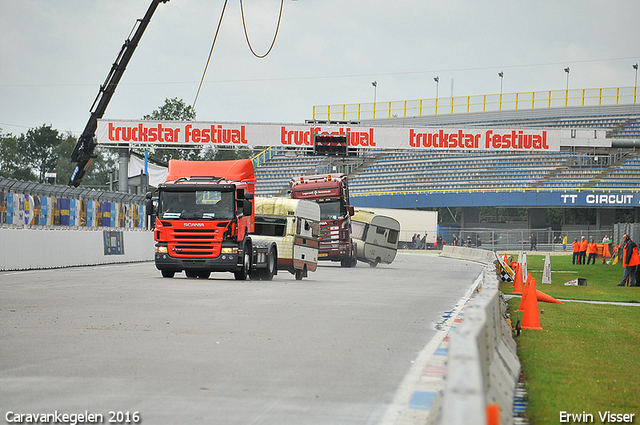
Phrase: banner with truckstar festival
(118, 132)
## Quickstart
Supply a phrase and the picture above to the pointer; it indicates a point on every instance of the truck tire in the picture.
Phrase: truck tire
(246, 264)
(299, 274)
(191, 274)
(168, 273)
(272, 265)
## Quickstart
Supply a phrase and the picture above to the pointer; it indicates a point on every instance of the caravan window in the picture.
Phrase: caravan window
(392, 238)
(358, 230)
(271, 226)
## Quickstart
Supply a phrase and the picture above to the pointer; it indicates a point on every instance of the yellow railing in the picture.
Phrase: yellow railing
(477, 103)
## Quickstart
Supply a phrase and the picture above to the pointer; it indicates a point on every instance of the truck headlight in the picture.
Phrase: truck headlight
(229, 250)
(161, 249)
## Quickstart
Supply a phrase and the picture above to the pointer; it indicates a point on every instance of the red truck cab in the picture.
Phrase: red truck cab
(331, 192)
(204, 221)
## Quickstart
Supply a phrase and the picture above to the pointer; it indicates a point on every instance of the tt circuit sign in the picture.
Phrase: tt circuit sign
(587, 198)
(119, 132)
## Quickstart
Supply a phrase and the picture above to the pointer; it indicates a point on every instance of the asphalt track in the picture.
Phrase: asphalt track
(330, 349)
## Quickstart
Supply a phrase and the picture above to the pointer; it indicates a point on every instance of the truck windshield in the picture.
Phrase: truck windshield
(331, 210)
(199, 204)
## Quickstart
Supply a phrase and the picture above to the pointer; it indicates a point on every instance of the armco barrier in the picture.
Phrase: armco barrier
(482, 364)
(25, 248)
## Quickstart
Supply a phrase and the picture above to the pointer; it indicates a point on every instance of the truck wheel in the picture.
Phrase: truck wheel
(246, 264)
(204, 275)
(272, 265)
(168, 273)
(191, 274)
(298, 274)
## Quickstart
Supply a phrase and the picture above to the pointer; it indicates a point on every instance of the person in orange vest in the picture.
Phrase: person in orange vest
(576, 251)
(583, 250)
(592, 251)
(630, 259)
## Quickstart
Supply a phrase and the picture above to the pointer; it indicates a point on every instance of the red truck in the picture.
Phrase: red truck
(204, 220)
(331, 192)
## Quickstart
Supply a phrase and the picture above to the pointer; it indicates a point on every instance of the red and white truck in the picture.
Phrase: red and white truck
(331, 192)
(204, 220)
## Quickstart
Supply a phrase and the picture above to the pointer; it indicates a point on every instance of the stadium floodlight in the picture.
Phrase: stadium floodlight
(635, 82)
(375, 88)
(567, 71)
(437, 80)
(501, 75)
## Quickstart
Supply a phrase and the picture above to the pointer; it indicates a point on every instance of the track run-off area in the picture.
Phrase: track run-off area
(334, 348)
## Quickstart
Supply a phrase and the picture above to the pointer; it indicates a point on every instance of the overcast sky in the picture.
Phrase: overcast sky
(54, 54)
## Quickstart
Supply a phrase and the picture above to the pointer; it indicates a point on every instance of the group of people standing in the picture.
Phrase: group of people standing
(587, 250)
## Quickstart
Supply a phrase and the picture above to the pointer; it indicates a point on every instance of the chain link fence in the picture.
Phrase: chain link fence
(26, 204)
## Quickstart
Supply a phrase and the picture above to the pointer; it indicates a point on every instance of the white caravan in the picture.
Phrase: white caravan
(376, 237)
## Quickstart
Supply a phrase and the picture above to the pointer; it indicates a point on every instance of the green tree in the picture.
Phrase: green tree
(174, 110)
(39, 147)
(13, 163)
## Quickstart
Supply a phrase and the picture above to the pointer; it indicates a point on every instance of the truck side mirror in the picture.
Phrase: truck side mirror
(248, 195)
(351, 210)
(247, 208)
(149, 206)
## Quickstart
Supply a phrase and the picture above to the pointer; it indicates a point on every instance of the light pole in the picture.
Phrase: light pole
(566, 93)
(635, 82)
(501, 75)
(437, 80)
(375, 89)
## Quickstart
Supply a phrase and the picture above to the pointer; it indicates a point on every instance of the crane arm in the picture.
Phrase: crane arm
(83, 152)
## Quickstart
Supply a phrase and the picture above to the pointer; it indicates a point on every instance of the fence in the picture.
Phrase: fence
(478, 103)
(547, 240)
(38, 205)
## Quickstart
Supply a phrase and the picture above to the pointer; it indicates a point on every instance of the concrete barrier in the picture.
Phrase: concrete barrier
(482, 363)
(27, 248)
(471, 254)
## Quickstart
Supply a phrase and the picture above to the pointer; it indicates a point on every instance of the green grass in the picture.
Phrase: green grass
(587, 358)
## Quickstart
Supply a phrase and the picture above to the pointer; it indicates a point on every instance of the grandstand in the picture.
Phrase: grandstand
(573, 167)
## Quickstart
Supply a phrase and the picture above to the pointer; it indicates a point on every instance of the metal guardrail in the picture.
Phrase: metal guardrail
(478, 103)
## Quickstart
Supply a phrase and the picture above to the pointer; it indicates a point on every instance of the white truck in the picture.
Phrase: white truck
(376, 237)
(293, 225)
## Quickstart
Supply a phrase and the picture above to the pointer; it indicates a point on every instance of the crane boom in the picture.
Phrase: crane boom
(83, 152)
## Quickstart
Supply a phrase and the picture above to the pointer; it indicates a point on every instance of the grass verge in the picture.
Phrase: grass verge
(586, 360)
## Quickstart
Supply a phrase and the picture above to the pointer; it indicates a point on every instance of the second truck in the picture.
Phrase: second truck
(331, 192)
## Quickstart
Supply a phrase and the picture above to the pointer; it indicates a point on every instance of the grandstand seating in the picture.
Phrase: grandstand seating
(402, 171)
(274, 175)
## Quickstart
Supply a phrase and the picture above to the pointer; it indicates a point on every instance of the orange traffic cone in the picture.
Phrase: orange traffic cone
(518, 286)
(547, 298)
(493, 414)
(531, 316)
(523, 300)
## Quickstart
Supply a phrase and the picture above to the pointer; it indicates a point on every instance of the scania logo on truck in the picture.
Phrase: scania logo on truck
(193, 224)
